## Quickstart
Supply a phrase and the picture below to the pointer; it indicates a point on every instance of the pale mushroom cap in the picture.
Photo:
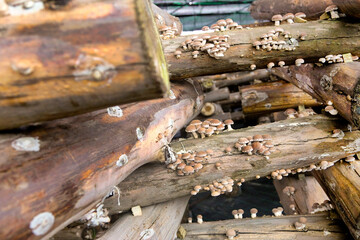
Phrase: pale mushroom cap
(290, 111)
(300, 15)
(217, 164)
(331, 8)
(209, 131)
(230, 233)
(193, 192)
(280, 209)
(215, 122)
(277, 17)
(205, 28)
(221, 22)
(181, 166)
(350, 159)
(234, 212)
(177, 52)
(197, 188)
(199, 216)
(302, 220)
(228, 149)
(228, 122)
(241, 211)
(186, 155)
(299, 61)
(288, 16)
(215, 193)
(201, 130)
(274, 210)
(266, 137)
(201, 154)
(195, 53)
(253, 211)
(329, 108)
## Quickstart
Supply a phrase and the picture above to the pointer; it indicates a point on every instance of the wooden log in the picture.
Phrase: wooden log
(299, 142)
(234, 98)
(265, 9)
(349, 7)
(217, 95)
(60, 63)
(242, 77)
(319, 226)
(80, 159)
(273, 96)
(323, 37)
(162, 18)
(335, 83)
(342, 185)
(162, 219)
(308, 191)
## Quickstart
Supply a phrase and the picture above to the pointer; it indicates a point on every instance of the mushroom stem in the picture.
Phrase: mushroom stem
(334, 14)
(277, 23)
(202, 135)
(229, 128)
(194, 135)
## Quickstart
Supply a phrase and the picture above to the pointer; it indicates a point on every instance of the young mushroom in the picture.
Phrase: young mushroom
(252, 67)
(270, 65)
(299, 61)
(253, 212)
(240, 213)
(200, 219)
(332, 10)
(277, 19)
(289, 17)
(235, 214)
(228, 123)
(189, 219)
(177, 54)
(195, 54)
(300, 17)
(230, 233)
(281, 64)
(191, 129)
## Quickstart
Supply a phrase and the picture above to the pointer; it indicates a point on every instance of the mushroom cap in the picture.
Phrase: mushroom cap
(188, 169)
(215, 122)
(302, 220)
(196, 122)
(197, 188)
(299, 61)
(290, 111)
(253, 210)
(233, 24)
(241, 211)
(209, 152)
(199, 216)
(234, 212)
(280, 209)
(246, 149)
(181, 166)
(229, 20)
(329, 108)
(201, 154)
(270, 65)
(220, 127)
(258, 138)
(288, 16)
(190, 128)
(268, 144)
(256, 146)
(349, 159)
(300, 15)
(199, 159)
(279, 29)
(195, 53)
(274, 210)
(198, 166)
(323, 163)
(209, 131)
(266, 137)
(201, 130)
(331, 8)
(193, 192)
(215, 193)
(243, 140)
(177, 52)
(228, 122)
(217, 164)
(230, 233)
(221, 22)
(186, 156)
(277, 17)
(228, 149)
(205, 28)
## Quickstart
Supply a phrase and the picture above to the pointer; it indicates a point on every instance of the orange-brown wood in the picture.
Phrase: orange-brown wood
(81, 158)
(87, 56)
(273, 96)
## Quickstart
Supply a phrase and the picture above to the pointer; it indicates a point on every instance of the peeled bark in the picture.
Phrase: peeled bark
(89, 56)
(299, 142)
(81, 158)
(335, 83)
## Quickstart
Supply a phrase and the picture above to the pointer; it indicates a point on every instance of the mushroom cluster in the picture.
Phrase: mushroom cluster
(330, 108)
(289, 18)
(215, 46)
(238, 214)
(325, 206)
(277, 39)
(277, 211)
(167, 32)
(223, 25)
(218, 187)
(189, 162)
(292, 113)
(257, 144)
(208, 127)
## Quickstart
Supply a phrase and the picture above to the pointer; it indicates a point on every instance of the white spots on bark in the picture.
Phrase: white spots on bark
(139, 134)
(171, 94)
(123, 159)
(42, 223)
(115, 111)
(28, 144)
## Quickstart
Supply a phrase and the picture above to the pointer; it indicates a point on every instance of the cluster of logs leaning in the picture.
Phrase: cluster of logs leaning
(84, 108)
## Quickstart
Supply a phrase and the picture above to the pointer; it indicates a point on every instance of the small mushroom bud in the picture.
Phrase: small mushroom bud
(253, 212)
(189, 219)
(177, 54)
(228, 150)
(322, 60)
(235, 214)
(270, 65)
(257, 176)
(292, 207)
(252, 67)
(228, 123)
(200, 219)
(240, 213)
(299, 226)
(299, 61)
(230, 233)
(276, 212)
(303, 36)
(281, 64)
(205, 28)
(218, 166)
(195, 54)
(193, 193)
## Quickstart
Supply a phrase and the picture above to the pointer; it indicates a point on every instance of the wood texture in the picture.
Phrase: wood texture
(90, 56)
(349, 7)
(217, 95)
(273, 96)
(299, 142)
(323, 37)
(265, 9)
(330, 83)
(163, 218)
(342, 185)
(77, 162)
(279, 228)
(168, 19)
(307, 192)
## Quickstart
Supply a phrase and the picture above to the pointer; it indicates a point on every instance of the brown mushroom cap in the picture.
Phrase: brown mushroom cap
(230, 233)
(256, 146)
(302, 220)
(246, 149)
(181, 166)
(277, 17)
(253, 211)
(240, 211)
(243, 140)
(177, 52)
(258, 138)
(186, 156)
(215, 122)
(228, 150)
(209, 131)
(196, 122)
(229, 122)
(331, 8)
(288, 16)
(190, 129)
(300, 15)
(198, 166)
(209, 152)
(290, 111)
(234, 212)
(199, 216)
(188, 170)
(221, 22)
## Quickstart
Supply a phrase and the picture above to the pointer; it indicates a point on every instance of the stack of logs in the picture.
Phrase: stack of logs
(88, 116)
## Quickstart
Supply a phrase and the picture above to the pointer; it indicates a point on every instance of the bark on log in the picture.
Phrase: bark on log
(164, 219)
(342, 185)
(280, 228)
(60, 63)
(299, 142)
(265, 9)
(166, 19)
(217, 95)
(273, 96)
(81, 158)
(323, 37)
(349, 7)
(330, 83)
(307, 192)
